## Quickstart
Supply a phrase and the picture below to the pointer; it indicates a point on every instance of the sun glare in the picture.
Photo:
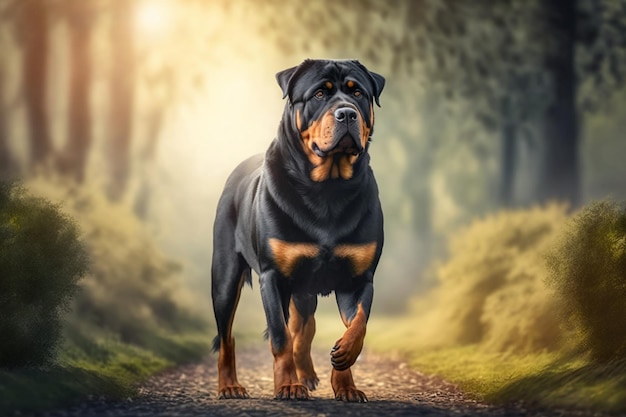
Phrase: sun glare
(153, 17)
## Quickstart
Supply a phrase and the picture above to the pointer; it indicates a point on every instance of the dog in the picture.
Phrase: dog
(306, 217)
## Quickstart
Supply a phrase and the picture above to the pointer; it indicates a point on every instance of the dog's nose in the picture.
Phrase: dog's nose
(345, 114)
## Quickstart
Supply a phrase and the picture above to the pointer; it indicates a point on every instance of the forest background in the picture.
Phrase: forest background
(499, 122)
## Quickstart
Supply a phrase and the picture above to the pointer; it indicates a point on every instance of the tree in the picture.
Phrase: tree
(32, 31)
(540, 54)
(6, 161)
(122, 96)
(72, 161)
(560, 172)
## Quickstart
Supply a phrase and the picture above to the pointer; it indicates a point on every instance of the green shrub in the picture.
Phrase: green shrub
(41, 260)
(588, 269)
(133, 289)
(492, 289)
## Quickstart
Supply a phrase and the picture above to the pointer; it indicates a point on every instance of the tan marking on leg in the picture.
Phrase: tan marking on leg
(352, 342)
(287, 254)
(348, 348)
(228, 386)
(302, 334)
(286, 384)
(360, 256)
(344, 388)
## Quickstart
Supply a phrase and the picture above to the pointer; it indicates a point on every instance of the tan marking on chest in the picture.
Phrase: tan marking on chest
(360, 256)
(288, 254)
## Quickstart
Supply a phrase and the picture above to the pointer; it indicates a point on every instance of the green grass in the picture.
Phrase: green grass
(555, 379)
(93, 363)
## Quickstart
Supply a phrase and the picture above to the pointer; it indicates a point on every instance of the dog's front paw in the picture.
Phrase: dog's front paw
(350, 394)
(292, 392)
(232, 392)
(310, 381)
(345, 352)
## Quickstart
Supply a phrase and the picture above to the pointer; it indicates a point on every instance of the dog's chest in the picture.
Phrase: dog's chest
(320, 269)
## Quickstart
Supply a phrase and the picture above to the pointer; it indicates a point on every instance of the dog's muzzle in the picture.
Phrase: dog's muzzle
(346, 134)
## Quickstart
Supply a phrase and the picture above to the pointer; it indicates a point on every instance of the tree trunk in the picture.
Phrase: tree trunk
(560, 176)
(148, 155)
(33, 31)
(73, 160)
(508, 158)
(6, 161)
(122, 98)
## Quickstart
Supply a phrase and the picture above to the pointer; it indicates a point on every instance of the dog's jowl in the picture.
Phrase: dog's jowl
(307, 218)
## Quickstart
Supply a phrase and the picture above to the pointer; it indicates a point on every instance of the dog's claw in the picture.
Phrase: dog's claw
(292, 392)
(351, 394)
(310, 382)
(232, 392)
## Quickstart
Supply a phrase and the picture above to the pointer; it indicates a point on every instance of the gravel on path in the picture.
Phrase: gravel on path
(393, 390)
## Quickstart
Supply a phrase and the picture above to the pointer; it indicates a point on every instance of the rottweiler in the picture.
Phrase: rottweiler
(306, 217)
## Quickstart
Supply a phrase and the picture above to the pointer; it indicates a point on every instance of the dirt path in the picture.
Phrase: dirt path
(392, 388)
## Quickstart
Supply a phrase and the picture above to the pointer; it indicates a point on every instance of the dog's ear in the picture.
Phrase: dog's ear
(283, 79)
(287, 78)
(378, 82)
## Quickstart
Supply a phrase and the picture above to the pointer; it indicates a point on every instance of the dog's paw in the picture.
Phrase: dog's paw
(310, 381)
(232, 392)
(292, 392)
(345, 352)
(350, 394)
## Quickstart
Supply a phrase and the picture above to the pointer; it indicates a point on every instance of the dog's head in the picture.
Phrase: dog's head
(331, 108)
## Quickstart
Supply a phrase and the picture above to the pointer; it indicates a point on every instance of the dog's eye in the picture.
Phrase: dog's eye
(319, 94)
(357, 93)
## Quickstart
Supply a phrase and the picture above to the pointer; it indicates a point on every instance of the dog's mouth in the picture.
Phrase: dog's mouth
(346, 145)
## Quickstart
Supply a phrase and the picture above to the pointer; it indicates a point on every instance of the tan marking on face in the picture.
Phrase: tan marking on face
(298, 120)
(288, 254)
(365, 132)
(329, 85)
(319, 132)
(360, 256)
(371, 115)
(350, 84)
(321, 172)
(345, 166)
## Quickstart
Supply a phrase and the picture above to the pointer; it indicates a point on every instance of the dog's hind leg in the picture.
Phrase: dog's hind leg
(302, 328)
(228, 273)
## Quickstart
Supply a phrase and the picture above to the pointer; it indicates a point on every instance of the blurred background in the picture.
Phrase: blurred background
(132, 113)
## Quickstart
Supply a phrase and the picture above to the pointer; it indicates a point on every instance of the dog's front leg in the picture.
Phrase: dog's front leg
(275, 303)
(354, 308)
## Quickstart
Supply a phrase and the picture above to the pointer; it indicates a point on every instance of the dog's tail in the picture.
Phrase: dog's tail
(216, 344)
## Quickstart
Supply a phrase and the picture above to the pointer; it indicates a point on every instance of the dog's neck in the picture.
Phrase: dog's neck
(287, 173)
(300, 168)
